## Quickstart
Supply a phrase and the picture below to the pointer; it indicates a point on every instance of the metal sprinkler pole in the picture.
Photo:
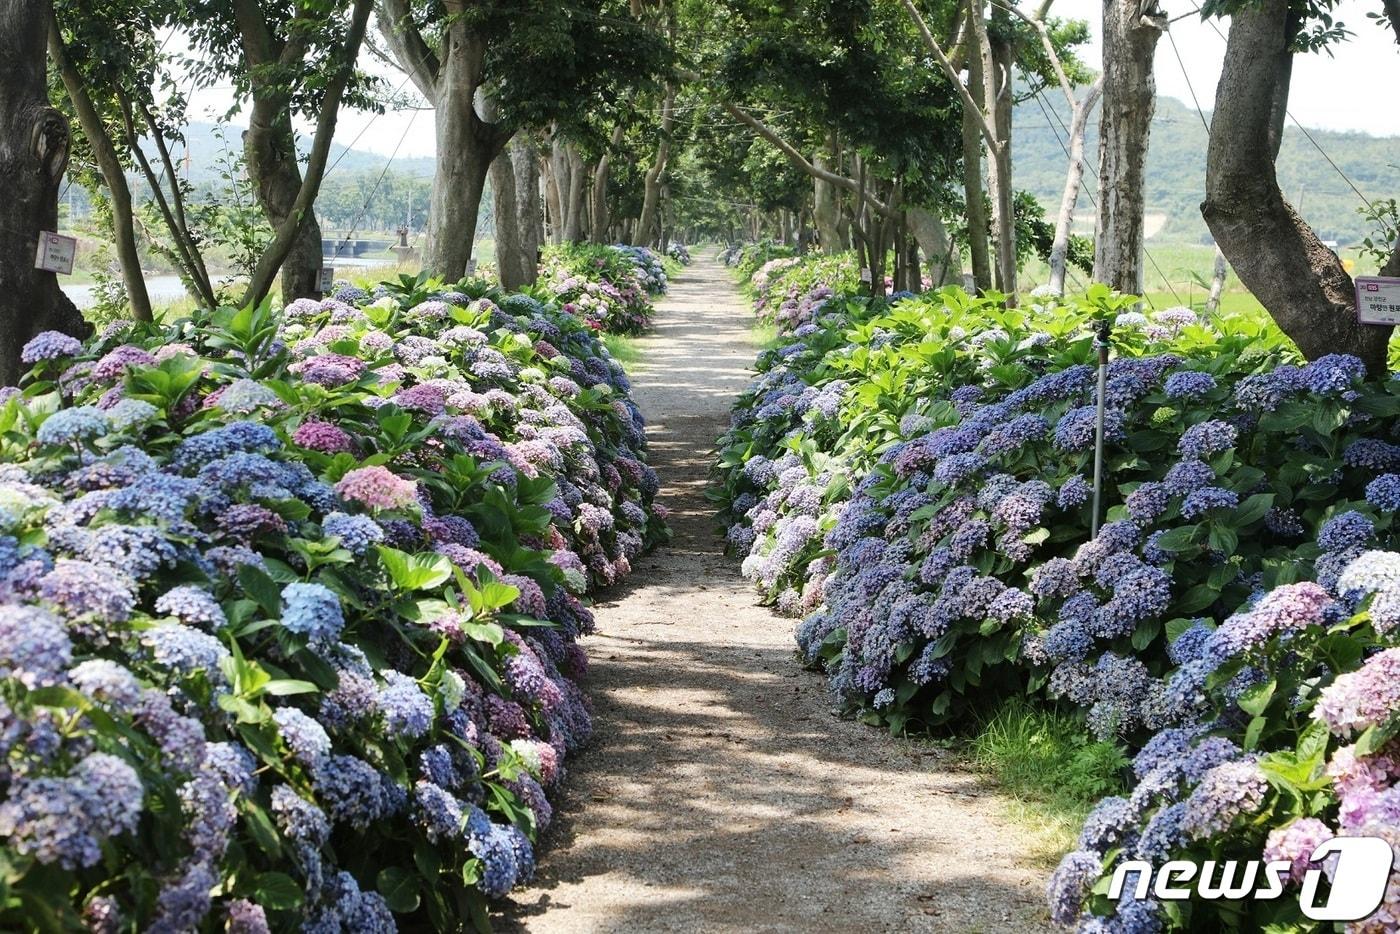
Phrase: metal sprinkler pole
(1102, 343)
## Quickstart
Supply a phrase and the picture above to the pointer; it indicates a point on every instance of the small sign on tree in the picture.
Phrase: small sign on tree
(327, 279)
(57, 253)
(1378, 300)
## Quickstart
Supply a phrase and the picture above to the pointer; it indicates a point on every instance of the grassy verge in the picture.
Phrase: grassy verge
(623, 348)
(1051, 771)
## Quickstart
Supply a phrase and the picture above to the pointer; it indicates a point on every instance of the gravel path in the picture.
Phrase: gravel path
(721, 793)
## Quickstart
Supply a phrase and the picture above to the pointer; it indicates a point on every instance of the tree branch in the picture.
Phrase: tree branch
(946, 64)
(1392, 13)
(406, 42)
(276, 253)
(798, 160)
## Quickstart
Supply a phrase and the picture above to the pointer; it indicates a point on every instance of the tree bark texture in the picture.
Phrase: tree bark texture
(651, 192)
(109, 163)
(515, 190)
(1272, 249)
(1074, 181)
(450, 76)
(270, 151)
(602, 176)
(940, 253)
(34, 144)
(978, 230)
(1131, 29)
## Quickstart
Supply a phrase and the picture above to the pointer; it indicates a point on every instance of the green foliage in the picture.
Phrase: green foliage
(1043, 760)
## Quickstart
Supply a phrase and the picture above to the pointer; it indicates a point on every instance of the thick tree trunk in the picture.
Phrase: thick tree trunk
(1275, 253)
(515, 189)
(940, 253)
(466, 147)
(554, 205)
(826, 210)
(34, 146)
(270, 150)
(1074, 180)
(1125, 123)
(651, 191)
(113, 176)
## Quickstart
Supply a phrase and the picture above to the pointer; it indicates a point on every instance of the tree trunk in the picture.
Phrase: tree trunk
(601, 178)
(1129, 99)
(1217, 281)
(940, 253)
(651, 196)
(515, 190)
(554, 203)
(288, 235)
(576, 221)
(826, 210)
(1074, 180)
(978, 232)
(1275, 253)
(34, 145)
(466, 147)
(113, 176)
(270, 150)
(998, 154)
(997, 60)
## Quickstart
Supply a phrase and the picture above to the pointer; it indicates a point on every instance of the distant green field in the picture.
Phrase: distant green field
(1177, 274)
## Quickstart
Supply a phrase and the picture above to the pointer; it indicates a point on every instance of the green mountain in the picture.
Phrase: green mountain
(207, 144)
(1176, 169)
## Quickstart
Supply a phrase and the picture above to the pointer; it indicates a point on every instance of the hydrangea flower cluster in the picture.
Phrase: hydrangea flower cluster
(608, 287)
(979, 466)
(227, 637)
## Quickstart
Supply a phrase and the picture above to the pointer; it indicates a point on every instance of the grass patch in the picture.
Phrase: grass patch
(623, 348)
(1050, 768)
(765, 335)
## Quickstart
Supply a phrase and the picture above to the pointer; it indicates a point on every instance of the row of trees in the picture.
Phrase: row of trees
(882, 126)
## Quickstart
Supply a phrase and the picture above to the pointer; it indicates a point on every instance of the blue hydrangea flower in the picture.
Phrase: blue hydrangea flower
(1345, 530)
(193, 606)
(312, 610)
(70, 426)
(185, 650)
(49, 345)
(1189, 384)
(408, 711)
(1206, 438)
(304, 737)
(1384, 492)
(1207, 499)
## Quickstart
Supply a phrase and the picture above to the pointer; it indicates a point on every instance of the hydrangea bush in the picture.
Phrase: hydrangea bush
(608, 287)
(789, 293)
(1306, 752)
(290, 604)
(914, 481)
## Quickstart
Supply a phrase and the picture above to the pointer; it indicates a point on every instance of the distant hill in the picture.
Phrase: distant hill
(205, 149)
(1176, 169)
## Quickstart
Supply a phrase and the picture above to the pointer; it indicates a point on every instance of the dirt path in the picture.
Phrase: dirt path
(721, 794)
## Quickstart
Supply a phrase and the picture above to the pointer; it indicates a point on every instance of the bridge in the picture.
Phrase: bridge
(343, 249)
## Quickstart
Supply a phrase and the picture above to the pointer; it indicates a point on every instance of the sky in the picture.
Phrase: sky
(1352, 90)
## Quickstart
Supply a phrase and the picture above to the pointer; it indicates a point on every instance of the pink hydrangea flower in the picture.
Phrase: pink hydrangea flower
(378, 488)
(1295, 843)
(323, 437)
(1362, 698)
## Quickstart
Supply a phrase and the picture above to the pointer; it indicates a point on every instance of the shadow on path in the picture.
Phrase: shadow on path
(720, 792)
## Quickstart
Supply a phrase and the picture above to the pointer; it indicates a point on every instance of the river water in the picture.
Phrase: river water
(166, 289)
